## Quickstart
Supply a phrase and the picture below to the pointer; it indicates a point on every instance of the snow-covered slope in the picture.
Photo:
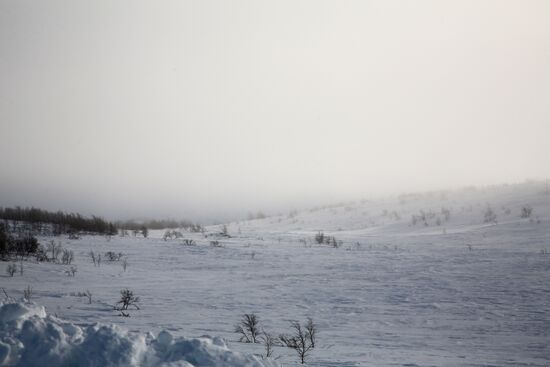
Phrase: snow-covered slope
(448, 290)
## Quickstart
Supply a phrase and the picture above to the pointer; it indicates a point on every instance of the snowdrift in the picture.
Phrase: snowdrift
(30, 337)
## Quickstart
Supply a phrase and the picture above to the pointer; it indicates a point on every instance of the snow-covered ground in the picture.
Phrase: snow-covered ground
(453, 291)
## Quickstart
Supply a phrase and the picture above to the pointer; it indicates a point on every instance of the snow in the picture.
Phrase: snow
(29, 337)
(463, 293)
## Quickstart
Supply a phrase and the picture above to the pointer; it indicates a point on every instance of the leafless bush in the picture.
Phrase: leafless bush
(11, 269)
(300, 340)
(526, 211)
(127, 299)
(55, 249)
(67, 257)
(446, 214)
(113, 256)
(167, 235)
(215, 243)
(41, 254)
(93, 257)
(188, 242)
(489, 216)
(248, 328)
(224, 232)
(269, 341)
(71, 271)
(320, 237)
(86, 294)
(311, 330)
(27, 293)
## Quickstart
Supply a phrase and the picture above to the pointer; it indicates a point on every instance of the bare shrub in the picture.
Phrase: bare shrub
(489, 216)
(93, 257)
(71, 271)
(269, 341)
(248, 328)
(27, 293)
(127, 299)
(167, 235)
(41, 254)
(188, 242)
(300, 340)
(311, 330)
(224, 232)
(215, 243)
(526, 211)
(55, 249)
(320, 238)
(11, 269)
(67, 257)
(113, 256)
(86, 294)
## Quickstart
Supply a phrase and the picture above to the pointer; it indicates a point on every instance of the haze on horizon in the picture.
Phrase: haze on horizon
(196, 108)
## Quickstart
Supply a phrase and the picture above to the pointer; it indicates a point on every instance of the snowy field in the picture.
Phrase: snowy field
(450, 290)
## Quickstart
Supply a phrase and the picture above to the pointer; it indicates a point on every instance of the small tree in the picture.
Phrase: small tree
(88, 295)
(269, 341)
(27, 293)
(127, 299)
(67, 257)
(93, 257)
(54, 249)
(311, 330)
(320, 237)
(300, 340)
(526, 211)
(11, 269)
(71, 271)
(144, 231)
(489, 216)
(248, 328)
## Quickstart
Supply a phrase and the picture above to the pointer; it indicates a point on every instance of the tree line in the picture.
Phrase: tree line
(61, 222)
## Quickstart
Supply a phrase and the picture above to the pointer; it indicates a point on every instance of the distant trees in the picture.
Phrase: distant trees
(60, 221)
(159, 224)
(258, 215)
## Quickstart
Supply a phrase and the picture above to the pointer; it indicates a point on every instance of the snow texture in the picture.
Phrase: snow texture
(448, 290)
(29, 337)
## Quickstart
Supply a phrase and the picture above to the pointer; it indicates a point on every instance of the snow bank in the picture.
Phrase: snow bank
(30, 337)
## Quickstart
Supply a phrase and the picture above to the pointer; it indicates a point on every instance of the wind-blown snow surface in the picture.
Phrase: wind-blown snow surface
(393, 294)
(29, 337)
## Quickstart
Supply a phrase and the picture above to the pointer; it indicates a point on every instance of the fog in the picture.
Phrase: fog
(206, 109)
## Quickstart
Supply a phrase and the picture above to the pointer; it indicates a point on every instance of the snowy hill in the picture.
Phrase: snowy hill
(414, 280)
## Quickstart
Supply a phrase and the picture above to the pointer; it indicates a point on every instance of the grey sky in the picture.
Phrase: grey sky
(180, 108)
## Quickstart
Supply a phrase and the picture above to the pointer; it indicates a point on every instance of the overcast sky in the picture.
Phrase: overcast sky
(192, 108)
